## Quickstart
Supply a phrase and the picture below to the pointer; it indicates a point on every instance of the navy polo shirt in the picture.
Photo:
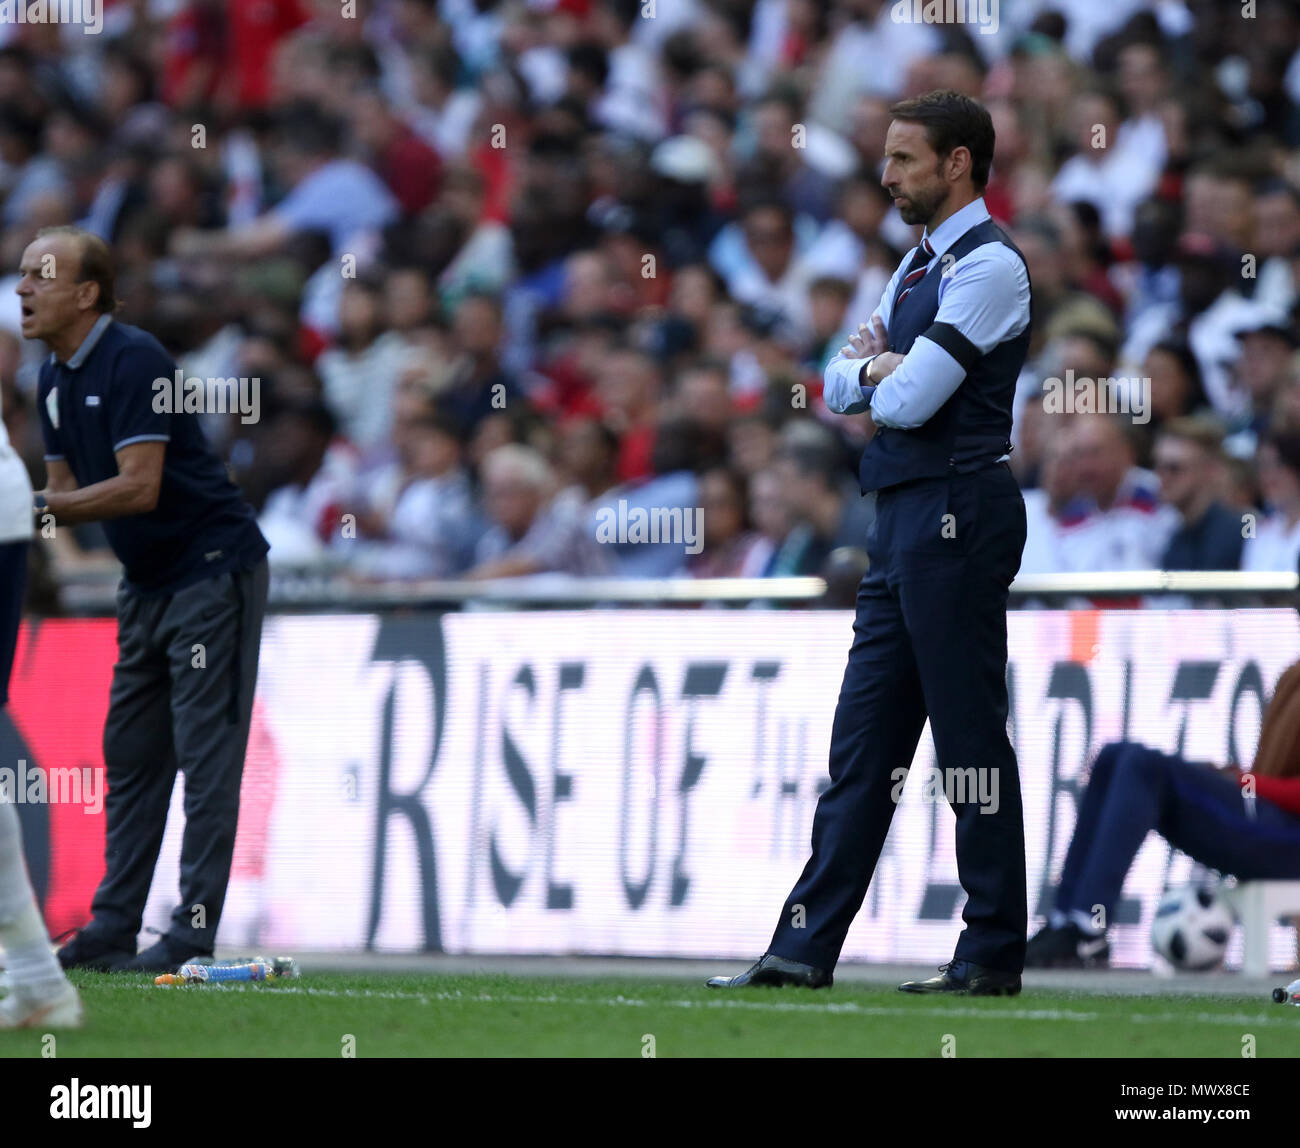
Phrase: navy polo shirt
(102, 399)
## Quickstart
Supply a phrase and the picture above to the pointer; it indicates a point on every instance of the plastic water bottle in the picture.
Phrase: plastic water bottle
(203, 974)
(207, 971)
(284, 968)
(1289, 995)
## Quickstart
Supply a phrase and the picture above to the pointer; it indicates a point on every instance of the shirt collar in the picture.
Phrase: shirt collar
(88, 343)
(956, 225)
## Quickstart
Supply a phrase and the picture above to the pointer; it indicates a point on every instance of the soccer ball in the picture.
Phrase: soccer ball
(1192, 927)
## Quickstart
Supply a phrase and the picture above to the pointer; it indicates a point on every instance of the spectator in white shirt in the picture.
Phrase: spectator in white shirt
(534, 529)
(310, 475)
(484, 258)
(1118, 523)
(1275, 544)
(360, 374)
(632, 102)
(442, 114)
(774, 277)
(849, 246)
(870, 53)
(416, 519)
(1046, 503)
(1277, 235)
(1109, 169)
(1210, 311)
(1144, 84)
(841, 246)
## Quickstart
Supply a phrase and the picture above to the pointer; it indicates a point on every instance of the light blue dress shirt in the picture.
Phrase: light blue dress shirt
(984, 295)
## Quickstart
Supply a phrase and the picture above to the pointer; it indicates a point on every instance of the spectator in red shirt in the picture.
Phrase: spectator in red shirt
(255, 29)
(629, 390)
(194, 53)
(408, 165)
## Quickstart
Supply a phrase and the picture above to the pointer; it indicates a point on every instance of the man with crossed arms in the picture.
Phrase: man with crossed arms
(936, 373)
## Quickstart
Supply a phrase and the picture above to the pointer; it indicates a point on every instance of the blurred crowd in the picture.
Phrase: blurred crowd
(502, 271)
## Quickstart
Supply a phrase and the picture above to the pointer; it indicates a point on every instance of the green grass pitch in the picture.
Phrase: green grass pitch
(419, 1015)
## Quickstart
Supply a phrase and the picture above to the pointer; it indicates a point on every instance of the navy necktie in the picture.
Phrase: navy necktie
(916, 272)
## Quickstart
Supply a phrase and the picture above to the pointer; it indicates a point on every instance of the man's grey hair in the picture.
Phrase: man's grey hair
(523, 463)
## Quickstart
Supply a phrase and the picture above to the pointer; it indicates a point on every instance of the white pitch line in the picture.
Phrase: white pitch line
(848, 1008)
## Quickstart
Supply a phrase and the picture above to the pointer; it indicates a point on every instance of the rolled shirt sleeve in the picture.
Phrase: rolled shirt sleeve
(841, 390)
(983, 301)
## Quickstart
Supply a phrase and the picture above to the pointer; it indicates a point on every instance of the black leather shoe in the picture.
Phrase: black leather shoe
(163, 956)
(1066, 948)
(775, 972)
(88, 950)
(965, 977)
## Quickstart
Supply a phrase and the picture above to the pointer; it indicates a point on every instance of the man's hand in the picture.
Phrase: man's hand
(883, 365)
(868, 341)
(133, 490)
(872, 341)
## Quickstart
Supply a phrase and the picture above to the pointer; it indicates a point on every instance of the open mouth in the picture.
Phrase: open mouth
(27, 312)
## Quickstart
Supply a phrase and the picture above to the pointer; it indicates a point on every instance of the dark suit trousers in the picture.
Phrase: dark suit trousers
(930, 639)
(170, 710)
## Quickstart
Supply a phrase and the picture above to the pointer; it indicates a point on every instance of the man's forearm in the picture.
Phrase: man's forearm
(842, 386)
(113, 498)
(919, 385)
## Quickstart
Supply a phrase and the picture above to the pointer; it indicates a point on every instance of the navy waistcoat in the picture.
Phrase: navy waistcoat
(973, 428)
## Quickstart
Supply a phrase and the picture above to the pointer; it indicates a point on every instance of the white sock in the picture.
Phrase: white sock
(31, 965)
(29, 960)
